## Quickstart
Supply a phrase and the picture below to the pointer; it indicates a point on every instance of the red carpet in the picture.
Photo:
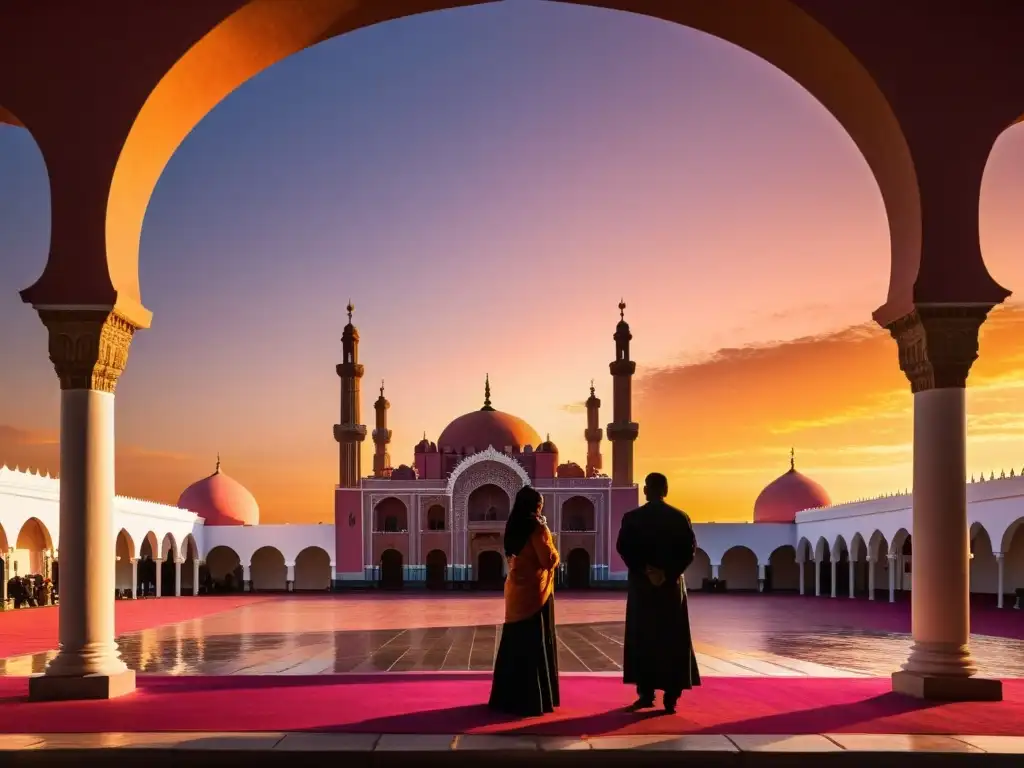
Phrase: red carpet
(437, 703)
(34, 630)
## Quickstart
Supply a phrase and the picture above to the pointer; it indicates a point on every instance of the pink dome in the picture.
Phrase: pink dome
(785, 496)
(221, 500)
(480, 429)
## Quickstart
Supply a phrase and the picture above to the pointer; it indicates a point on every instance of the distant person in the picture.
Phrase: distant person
(526, 668)
(657, 544)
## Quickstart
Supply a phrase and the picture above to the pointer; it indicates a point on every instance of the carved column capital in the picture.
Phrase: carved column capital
(938, 344)
(88, 347)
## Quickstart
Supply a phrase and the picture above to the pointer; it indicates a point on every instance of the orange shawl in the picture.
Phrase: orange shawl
(531, 576)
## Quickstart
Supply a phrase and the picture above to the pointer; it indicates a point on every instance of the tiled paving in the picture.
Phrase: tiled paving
(735, 636)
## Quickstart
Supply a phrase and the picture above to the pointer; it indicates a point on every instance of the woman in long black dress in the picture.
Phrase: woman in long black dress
(526, 668)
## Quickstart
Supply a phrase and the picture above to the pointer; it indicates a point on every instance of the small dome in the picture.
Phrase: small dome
(788, 494)
(547, 446)
(221, 500)
(570, 469)
(423, 446)
(403, 472)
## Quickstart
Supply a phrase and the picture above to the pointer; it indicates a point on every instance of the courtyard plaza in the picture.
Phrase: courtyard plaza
(374, 672)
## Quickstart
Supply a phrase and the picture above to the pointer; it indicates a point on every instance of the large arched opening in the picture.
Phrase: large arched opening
(783, 572)
(739, 569)
(224, 570)
(1012, 545)
(168, 570)
(578, 515)
(391, 569)
(190, 567)
(490, 570)
(901, 562)
(699, 571)
(437, 569)
(488, 504)
(577, 569)
(124, 568)
(391, 516)
(984, 566)
(33, 549)
(267, 570)
(312, 570)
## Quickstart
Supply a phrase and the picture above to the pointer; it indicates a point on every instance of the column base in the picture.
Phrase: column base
(87, 687)
(936, 688)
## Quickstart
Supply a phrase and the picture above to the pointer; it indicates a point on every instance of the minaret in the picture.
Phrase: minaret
(622, 431)
(593, 434)
(350, 433)
(381, 437)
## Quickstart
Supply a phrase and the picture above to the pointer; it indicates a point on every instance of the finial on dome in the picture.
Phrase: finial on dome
(350, 309)
(591, 387)
(792, 460)
(424, 434)
(622, 309)
(216, 470)
(487, 393)
(382, 387)
(547, 437)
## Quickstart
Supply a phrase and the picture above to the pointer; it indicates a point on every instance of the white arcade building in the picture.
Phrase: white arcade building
(798, 541)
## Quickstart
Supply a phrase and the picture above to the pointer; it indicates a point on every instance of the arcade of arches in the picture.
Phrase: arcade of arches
(900, 78)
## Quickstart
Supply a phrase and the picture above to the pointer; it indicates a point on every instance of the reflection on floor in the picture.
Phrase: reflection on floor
(735, 636)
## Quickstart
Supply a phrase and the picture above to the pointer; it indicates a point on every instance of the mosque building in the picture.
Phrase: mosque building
(437, 522)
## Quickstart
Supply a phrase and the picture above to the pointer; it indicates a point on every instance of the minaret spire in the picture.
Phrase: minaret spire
(792, 460)
(216, 471)
(593, 434)
(381, 436)
(487, 393)
(349, 432)
(623, 430)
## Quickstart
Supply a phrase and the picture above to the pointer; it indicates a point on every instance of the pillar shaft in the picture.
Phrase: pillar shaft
(999, 579)
(159, 577)
(195, 576)
(892, 577)
(937, 346)
(177, 578)
(817, 578)
(89, 349)
(853, 579)
(871, 578)
(832, 568)
(135, 578)
(801, 566)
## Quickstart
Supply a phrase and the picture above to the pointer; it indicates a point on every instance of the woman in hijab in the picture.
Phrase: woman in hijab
(526, 668)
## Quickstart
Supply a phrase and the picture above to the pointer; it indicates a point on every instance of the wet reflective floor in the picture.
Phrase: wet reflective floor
(734, 636)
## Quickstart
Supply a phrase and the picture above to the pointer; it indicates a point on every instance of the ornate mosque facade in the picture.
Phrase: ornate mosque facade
(437, 523)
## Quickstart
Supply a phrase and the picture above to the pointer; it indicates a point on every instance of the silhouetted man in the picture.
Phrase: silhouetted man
(656, 543)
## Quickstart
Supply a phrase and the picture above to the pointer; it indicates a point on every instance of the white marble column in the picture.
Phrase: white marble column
(89, 349)
(334, 576)
(159, 577)
(999, 578)
(800, 565)
(714, 571)
(135, 578)
(289, 583)
(178, 562)
(853, 579)
(761, 577)
(246, 578)
(195, 576)
(817, 578)
(832, 568)
(4, 577)
(891, 558)
(937, 347)
(871, 577)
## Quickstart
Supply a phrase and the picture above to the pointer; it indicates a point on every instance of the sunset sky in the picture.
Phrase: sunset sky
(485, 184)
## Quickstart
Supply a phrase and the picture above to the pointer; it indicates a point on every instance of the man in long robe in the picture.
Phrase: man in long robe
(657, 543)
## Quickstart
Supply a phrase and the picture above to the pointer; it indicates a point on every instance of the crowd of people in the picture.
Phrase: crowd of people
(31, 591)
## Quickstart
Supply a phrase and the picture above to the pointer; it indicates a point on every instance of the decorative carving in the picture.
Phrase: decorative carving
(483, 473)
(88, 347)
(488, 455)
(938, 344)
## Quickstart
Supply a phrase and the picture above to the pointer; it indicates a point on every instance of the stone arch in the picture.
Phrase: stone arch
(878, 551)
(169, 548)
(488, 503)
(839, 547)
(1013, 559)
(699, 570)
(392, 575)
(859, 556)
(4, 542)
(578, 514)
(804, 550)
(1008, 535)
(312, 570)
(224, 569)
(878, 546)
(840, 555)
(739, 569)
(267, 570)
(31, 546)
(858, 547)
(437, 518)
(577, 568)
(489, 569)
(124, 553)
(822, 550)
(823, 566)
(902, 550)
(391, 514)
(149, 546)
(188, 551)
(984, 567)
(214, 54)
(783, 573)
(437, 569)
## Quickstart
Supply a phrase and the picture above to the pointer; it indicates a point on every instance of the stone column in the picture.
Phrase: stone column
(891, 558)
(871, 577)
(801, 567)
(159, 576)
(937, 346)
(4, 577)
(714, 571)
(195, 576)
(89, 351)
(334, 577)
(999, 579)
(135, 578)
(246, 578)
(817, 578)
(178, 562)
(761, 577)
(853, 581)
(289, 584)
(832, 568)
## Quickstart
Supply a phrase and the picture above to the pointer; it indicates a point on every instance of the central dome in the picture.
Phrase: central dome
(487, 427)
(220, 500)
(788, 494)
